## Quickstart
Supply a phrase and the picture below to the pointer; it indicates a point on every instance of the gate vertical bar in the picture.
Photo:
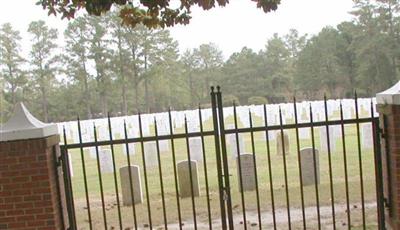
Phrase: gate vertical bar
(205, 169)
(161, 175)
(378, 170)
(271, 185)
(84, 176)
(285, 169)
(241, 190)
(115, 172)
(299, 160)
(218, 157)
(100, 178)
(346, 180)
(315, 168)
(328, 143)
(224, 158)
(128, 158)
(178, 204)
(190, 175)
(360, 164)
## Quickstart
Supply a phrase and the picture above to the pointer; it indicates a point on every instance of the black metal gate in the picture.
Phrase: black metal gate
(351, 195)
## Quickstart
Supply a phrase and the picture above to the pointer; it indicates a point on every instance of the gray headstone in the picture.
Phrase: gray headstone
(307, 166)
(184, 179)
(279, 146)
(196, 149)
(247, 169)
(106, 164)
(150, 154)
(133, 192)
(366, 133)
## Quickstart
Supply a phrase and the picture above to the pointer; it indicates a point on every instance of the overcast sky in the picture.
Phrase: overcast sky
(232, 27)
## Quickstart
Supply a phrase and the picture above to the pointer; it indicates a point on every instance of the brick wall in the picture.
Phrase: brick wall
(28, 187)
(391, 162)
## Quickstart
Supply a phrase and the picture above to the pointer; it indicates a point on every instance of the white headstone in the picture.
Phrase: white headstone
(233, 145)
(185, 189)
(133, 192)
(247, 172)
(131, 148)
(196, 149)
(366, 133)
(106, 163)
(150, 153)
(333, 134)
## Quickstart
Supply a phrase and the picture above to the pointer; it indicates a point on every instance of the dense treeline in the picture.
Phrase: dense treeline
(106, 67)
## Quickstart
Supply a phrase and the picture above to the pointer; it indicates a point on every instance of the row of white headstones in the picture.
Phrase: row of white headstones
(193, 120)
(196, 145)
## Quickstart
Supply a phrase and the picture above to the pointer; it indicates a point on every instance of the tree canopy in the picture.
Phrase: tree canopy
(151, 13)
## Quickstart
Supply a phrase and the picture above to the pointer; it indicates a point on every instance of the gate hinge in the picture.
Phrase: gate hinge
(380, 131)
(58, 161)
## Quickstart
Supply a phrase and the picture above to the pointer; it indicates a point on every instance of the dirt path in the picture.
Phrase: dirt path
(296, 218)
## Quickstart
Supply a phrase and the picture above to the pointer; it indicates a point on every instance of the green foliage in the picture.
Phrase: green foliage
(107, 67)
(229, 100)
(149, 13)
(257, 100)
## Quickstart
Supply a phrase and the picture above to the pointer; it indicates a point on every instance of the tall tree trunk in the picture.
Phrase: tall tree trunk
(135, 77)
(87, 93)
(146, 85)
(44, 104)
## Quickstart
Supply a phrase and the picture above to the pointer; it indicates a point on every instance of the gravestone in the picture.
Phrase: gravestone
(92, 152)
(131, 147)
(366, 133)
(196, 149)
(233, 145)
(247, 169)
(106, 164)
(279, 146)
(307, 166)
(150, 154)
(304, 133)
(271, 135)
(334, 132)
(164, 145)
(184, 179)
(135, 189)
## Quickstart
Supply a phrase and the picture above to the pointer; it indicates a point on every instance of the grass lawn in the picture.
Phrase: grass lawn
(250, 197)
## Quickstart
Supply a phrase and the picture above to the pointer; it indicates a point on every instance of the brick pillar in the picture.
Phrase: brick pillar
(388, 106)
(28, 185)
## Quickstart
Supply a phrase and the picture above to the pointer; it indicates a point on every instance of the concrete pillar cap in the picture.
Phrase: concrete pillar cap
(23, 125)
(390, 96)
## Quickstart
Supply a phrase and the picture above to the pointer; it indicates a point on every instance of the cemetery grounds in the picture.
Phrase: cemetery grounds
(250, 196)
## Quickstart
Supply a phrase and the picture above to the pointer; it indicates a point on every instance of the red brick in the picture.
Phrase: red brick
(17, 225)
(15, 212)
(25, 218)
(34, 211)
(24, 205)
